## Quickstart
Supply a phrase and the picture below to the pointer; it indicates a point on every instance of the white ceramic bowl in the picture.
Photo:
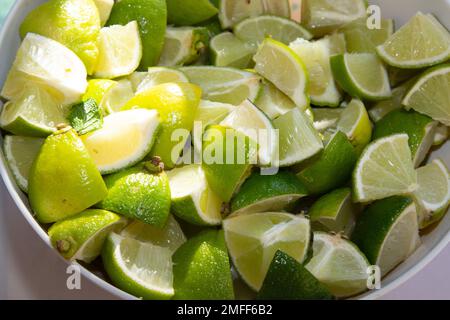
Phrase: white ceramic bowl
(400, 10)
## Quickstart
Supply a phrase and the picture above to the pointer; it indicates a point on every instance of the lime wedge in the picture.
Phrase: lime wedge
(74, 24)
(189, 12)
(433, 194)
(139, 268)
(156, 76)
(359, 38)
(177, 105)
(150, 200)
(316, 57)
(224, 85)
(183, 45)
(229, 51)
(280, 65)
(297, 138)
(339, 265)
(387, 232)
(120, 51)
(20, 153)
(324, 16)
(261, 193)
(272, 101)
(202, 268)
(210, 112)
(355, 123)
(255, 30)
(125, 139)
(118, 96)
(228, 157)
(252, 122)
(253, 240)
(151, 16)
(234, 11)
(81, 237)
(34, 113)
(419, 128)
(332, 168)
(334, 212)
(422, 42)
(430, 94)
(192, 198)
(289, 280)
(385, 169)
(170, 236)
(63, 180)
(362, 75)
(45, 62)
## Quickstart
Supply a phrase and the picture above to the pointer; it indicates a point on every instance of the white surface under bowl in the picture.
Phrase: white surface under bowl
(400, 10)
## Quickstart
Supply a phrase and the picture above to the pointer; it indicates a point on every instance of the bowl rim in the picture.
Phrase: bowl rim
(113, 290)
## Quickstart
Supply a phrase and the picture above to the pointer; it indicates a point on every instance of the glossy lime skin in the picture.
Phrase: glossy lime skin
(190, 12)
(332, 168)
(374, 224)
(74, 23)
(289, 280)
(78, 229)
(151, 15)
(224, 178)
(260, 187)
(402, 121)
(202, 268)
(64, 179)
(138, 194)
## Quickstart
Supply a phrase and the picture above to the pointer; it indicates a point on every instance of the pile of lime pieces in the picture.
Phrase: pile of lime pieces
(91, 141)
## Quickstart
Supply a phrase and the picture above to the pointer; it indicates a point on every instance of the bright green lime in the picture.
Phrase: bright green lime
(387, 232)
(151, 16)
(202, 268)
(60, 177)
(139, 194)
(265, 193)
(334, 212)
(419, 128)
(330, 169)
(289, 280)
(74, 23)
(81, 237)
